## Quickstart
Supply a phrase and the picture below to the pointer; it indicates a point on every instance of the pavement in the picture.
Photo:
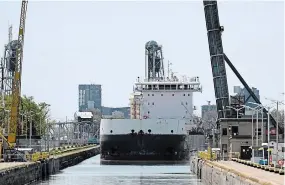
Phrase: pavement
(265, 176)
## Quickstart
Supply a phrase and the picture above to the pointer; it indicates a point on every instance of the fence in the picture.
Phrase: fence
(38, 156)
(207, 155)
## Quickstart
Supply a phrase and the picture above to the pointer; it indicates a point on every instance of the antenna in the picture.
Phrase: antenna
(10, 34)
(168, 68)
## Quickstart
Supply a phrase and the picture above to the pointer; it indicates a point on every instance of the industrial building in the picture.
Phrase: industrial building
(111, 110)
(247, 97)
(208, 109)
(90, 97)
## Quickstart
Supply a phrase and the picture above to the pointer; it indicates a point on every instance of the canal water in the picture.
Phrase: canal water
(90, 172)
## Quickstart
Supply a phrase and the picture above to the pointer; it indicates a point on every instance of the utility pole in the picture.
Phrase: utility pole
(257, 128)
(277, 132)
(47, 132)
(268, 134)
(277, 124)
(31, 120)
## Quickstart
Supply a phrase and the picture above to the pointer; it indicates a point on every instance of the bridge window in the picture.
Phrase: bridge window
(225, 131)
(173, 87)
(161, 87)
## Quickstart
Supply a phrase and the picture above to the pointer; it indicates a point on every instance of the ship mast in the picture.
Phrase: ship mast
(154, 68)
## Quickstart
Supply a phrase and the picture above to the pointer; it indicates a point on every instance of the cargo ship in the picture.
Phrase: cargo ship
(161, 116)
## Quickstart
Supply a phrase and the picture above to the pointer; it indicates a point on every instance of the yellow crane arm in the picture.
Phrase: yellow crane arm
(16, 88)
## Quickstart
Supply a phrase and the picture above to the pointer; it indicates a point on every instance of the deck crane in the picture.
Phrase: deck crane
(16, 87)
(218, 58)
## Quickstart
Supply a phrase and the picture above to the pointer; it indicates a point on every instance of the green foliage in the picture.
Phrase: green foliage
(30, 112)
(280, 116)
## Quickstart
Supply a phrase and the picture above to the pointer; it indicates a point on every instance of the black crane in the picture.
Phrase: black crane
(218, 58)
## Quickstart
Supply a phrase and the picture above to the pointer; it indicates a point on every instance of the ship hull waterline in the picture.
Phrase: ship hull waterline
(136, 148)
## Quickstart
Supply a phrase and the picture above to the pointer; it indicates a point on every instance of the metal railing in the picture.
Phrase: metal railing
(39, 156)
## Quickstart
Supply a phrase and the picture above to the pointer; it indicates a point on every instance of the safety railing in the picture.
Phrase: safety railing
(207, 155)
(39, 156)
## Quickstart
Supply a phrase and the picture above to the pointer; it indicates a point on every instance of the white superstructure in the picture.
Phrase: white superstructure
(169, 98)
(160, 105)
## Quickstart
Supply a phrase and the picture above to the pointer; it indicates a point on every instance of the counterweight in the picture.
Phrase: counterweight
(214, 32)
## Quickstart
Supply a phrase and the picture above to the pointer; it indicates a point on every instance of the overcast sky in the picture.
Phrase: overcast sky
(68, 43)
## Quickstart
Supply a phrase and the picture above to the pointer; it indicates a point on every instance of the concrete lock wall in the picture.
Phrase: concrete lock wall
(35, 171)
(213, 175)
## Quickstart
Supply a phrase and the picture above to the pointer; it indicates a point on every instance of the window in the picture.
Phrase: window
(152, 94)
(152, 103)
(188, 94)
(225, 131)
(183, 94)
(186, 103)
(148, 103)
(235, 130)
(148, 112)
(148, 94)
(172, 94)
(161, 94)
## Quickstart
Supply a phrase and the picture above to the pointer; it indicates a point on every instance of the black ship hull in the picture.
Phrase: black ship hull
(143, 148)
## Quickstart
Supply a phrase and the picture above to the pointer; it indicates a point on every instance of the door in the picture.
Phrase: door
(245, 152)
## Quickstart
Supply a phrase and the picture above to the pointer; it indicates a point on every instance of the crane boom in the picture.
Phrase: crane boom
(16, 88)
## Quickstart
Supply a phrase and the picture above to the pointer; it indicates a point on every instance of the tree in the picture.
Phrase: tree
(29, 111)
(280, 116)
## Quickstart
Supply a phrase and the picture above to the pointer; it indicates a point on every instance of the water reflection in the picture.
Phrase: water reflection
(90, 172)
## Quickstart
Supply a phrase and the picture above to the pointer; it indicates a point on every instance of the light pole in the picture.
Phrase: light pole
(262, 125)
(277, 126)
(268, 134)
(252, 128)
(237, 110)
(31, 120)
(24, 117)
(47, 133)
(39, 113)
